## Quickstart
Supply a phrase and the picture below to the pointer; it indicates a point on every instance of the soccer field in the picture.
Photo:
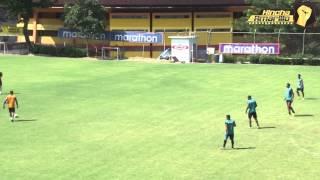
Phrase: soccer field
(86, 119)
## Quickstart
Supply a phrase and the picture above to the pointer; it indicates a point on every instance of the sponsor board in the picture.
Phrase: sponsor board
(124, 36)
(137, 37)
(210, 50)
(250, 48)
(180, 48)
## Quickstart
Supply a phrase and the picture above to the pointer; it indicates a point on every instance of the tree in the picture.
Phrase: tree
(289, 42)
(23, 9)
(85, 16)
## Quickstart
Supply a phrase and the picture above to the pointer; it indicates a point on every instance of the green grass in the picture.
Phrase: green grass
(134, 120)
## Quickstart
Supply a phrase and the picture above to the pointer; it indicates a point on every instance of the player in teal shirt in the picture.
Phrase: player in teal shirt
(300, 86)
(288, 97)
(229, 124)
(251, 110)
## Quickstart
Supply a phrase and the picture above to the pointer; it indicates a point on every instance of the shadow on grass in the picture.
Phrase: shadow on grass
(239, 148)
(304, 115)
(25, 120)
(244, 148)
(9, 93)
(268, 127)
(312, 99)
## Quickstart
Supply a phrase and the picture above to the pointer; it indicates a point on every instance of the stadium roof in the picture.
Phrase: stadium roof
(135, 3)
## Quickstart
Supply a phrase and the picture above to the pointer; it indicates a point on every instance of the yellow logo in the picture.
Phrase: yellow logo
(304, 13)
(272, 17)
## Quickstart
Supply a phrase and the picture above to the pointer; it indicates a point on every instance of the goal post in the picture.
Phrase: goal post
(105, 49)
(4, 47)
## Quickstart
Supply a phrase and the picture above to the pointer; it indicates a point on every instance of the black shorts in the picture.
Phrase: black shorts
(12, 110)
(252, 114)
(289, 103)
(231, 136)
(300, 89)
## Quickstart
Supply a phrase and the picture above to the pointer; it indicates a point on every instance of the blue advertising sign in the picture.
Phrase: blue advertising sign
(124, 36)
(137, 37)
(67, 34)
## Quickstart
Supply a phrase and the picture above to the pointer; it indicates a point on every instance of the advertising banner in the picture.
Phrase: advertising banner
(249, 48)
(124, 36)
(180, 48)
(137, 37)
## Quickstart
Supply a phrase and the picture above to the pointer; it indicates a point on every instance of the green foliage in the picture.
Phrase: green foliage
(242, 59)
(229, 59)
(296, 59)
(312, 62)
(85, 16)
(282, 61)
(23, 8)
(267, 59)
(254, 59)
(58, 51)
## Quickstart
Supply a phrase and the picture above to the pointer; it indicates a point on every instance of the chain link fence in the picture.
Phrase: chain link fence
(307, 44)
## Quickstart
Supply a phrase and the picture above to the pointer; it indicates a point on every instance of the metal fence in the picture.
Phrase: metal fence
(290, 43)
(307, 44)
(13, 48)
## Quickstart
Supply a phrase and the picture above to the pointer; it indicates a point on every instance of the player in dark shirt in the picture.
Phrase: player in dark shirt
(229, 125)
(251, 110)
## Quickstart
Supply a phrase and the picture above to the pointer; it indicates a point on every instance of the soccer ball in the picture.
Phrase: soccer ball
(16, 115)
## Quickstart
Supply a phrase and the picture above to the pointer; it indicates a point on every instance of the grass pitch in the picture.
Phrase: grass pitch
(84, 119)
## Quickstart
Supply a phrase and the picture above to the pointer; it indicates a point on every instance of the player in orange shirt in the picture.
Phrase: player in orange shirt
(11, 100)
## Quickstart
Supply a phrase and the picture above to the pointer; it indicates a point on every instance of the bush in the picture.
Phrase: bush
(241, 59)
(297, 61)
(312, 62)
(229, 59)
(267, 60)
(254, 59)
(282, 61)
(59, 51)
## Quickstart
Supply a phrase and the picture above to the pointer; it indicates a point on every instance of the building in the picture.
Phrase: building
(178, 17)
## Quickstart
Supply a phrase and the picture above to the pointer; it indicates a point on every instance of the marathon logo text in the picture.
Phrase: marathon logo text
(249, 48)
(124, 36)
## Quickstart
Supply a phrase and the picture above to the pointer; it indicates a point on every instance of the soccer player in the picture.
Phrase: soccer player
(288, 97)
(252, 105)
(11, 100)
(229, 124)
(0, 82)
(300, 86)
